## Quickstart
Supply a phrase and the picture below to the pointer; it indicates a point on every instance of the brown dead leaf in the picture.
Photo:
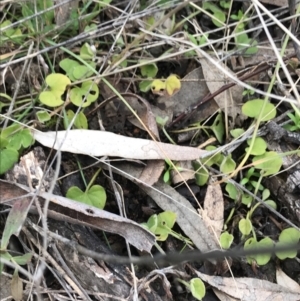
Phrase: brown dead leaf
(186, 172)
(169, 199)
(249, 289)
(213, 210)
(152, 172)
(16, 287)
(64, 209)
(229, 101)
(284, 280)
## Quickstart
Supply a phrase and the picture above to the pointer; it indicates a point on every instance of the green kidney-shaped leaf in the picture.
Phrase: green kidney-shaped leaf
(166, 219)
(86, 52)
(95, 196)
(58, 82)
(91, 89)
(51, 98)
(271, 163)
(21, 138)
(252, 108)
(8, 157)
(259, 146)
(228, 165)
(43, 116)
(149, 70)
(263, 259)
(287, 237)
(197, 288)
(80, 120)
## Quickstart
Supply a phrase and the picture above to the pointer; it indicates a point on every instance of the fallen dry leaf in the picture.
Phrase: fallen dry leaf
(213, 210)
(167, 198)
(67, 210)
(229, 101)
(249, 289)
(284, 280)
(100, 143)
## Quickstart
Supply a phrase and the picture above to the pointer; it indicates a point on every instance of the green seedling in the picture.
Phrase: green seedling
(295, 118)
(245, 226)
(253, 244)
(161, 226)
(161, 122)
(270, 163)
(80, 121)
(218, 16)
(13, 140)
(200, 166)
(286, 237)
(226, 240)
(94, 195)
(248, 92)
(13, 226)
(149, 71)
(12, 34)
(57, 84)
(228, 165)
(198, 41)
(195, 286)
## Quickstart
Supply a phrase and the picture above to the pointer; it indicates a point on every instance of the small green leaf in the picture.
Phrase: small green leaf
(228, 165)
(271, 204)
(80, 120)
(43, 116)
(23, 259)
(152, 223)
(145, 85)
(149, 70)
(166, 219)
(265, 194)
(246, 199)
(263, 259)
(22, 138)
(237, 133)
(86, 52)
(218, 127)
(252, 108)
(219, 15)
(288, 236)
(245, 226)
(58, 82)
(51, 98)
(269, 162)
(166, 177)
(95, 196)
(232, 191)
(250, 244)
(259, 147)
(91, 89)
(197, 288)
(8, 157)
(226, 240)
(201, 175)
